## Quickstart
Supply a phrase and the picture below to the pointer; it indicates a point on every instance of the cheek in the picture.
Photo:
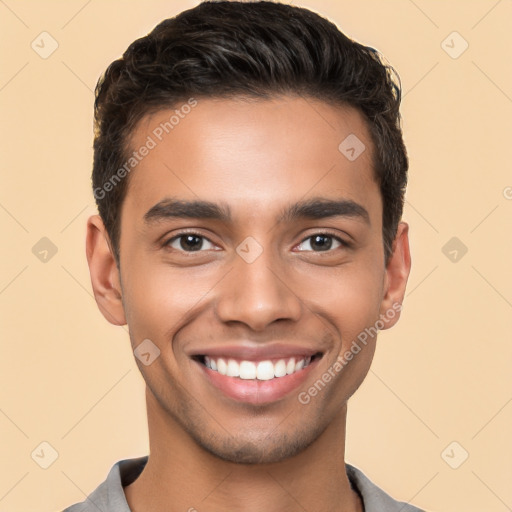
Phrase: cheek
(160, 299)
(349, 308)
(349, 296)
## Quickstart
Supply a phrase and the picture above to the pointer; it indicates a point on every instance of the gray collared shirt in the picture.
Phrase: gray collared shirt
(109, 495)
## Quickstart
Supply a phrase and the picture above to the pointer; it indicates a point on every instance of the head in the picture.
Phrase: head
(231, 121)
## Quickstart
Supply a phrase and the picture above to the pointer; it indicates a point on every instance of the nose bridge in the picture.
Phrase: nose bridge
(256, 292)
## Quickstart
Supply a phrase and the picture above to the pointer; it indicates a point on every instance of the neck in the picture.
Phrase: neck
(182, 476)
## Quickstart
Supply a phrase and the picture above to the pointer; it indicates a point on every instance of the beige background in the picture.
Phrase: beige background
(443, 374)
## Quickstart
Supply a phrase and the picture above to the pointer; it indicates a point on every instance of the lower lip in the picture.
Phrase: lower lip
(255, 391)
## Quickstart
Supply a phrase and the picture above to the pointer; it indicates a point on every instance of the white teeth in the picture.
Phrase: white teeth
(247, 370)
(250, 370)
(233, 369)
(280, 368)
(265, 370)
(222, 367)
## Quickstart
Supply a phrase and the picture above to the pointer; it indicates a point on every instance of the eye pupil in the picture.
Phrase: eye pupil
(191, 242)
(322, 242)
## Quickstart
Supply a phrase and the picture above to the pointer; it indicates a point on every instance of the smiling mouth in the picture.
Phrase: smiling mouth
(263, 370)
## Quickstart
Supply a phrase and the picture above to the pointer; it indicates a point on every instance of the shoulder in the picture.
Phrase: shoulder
(96, 501)
(109, 495)
(374, 498)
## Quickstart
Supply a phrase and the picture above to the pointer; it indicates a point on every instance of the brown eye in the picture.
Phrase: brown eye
(321, 242)
(189, 242)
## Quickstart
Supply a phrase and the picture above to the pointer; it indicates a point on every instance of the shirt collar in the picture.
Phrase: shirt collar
(126, 471)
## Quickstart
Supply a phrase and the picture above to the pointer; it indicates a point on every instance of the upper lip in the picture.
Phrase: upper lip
(256, 353)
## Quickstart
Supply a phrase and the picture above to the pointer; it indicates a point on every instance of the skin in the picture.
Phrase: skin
(258, 156)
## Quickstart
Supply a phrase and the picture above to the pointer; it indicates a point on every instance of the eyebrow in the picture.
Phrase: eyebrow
(313, 209)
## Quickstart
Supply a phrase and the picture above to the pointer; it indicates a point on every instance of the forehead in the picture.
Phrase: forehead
(252, 154)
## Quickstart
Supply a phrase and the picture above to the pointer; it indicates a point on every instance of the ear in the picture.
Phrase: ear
(397, 273)
(104, 273)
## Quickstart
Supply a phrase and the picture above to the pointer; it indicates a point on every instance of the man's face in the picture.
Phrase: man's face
(254, 284)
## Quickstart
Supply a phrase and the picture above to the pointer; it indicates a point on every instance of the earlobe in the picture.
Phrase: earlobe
(397, 273)
(104, 272)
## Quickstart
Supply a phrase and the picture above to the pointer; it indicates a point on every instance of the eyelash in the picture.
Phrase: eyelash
(328, 233)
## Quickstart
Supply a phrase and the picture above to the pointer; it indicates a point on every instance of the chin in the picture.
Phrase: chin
(272, 448)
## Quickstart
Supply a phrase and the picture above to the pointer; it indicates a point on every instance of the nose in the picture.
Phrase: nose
(257, 294)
